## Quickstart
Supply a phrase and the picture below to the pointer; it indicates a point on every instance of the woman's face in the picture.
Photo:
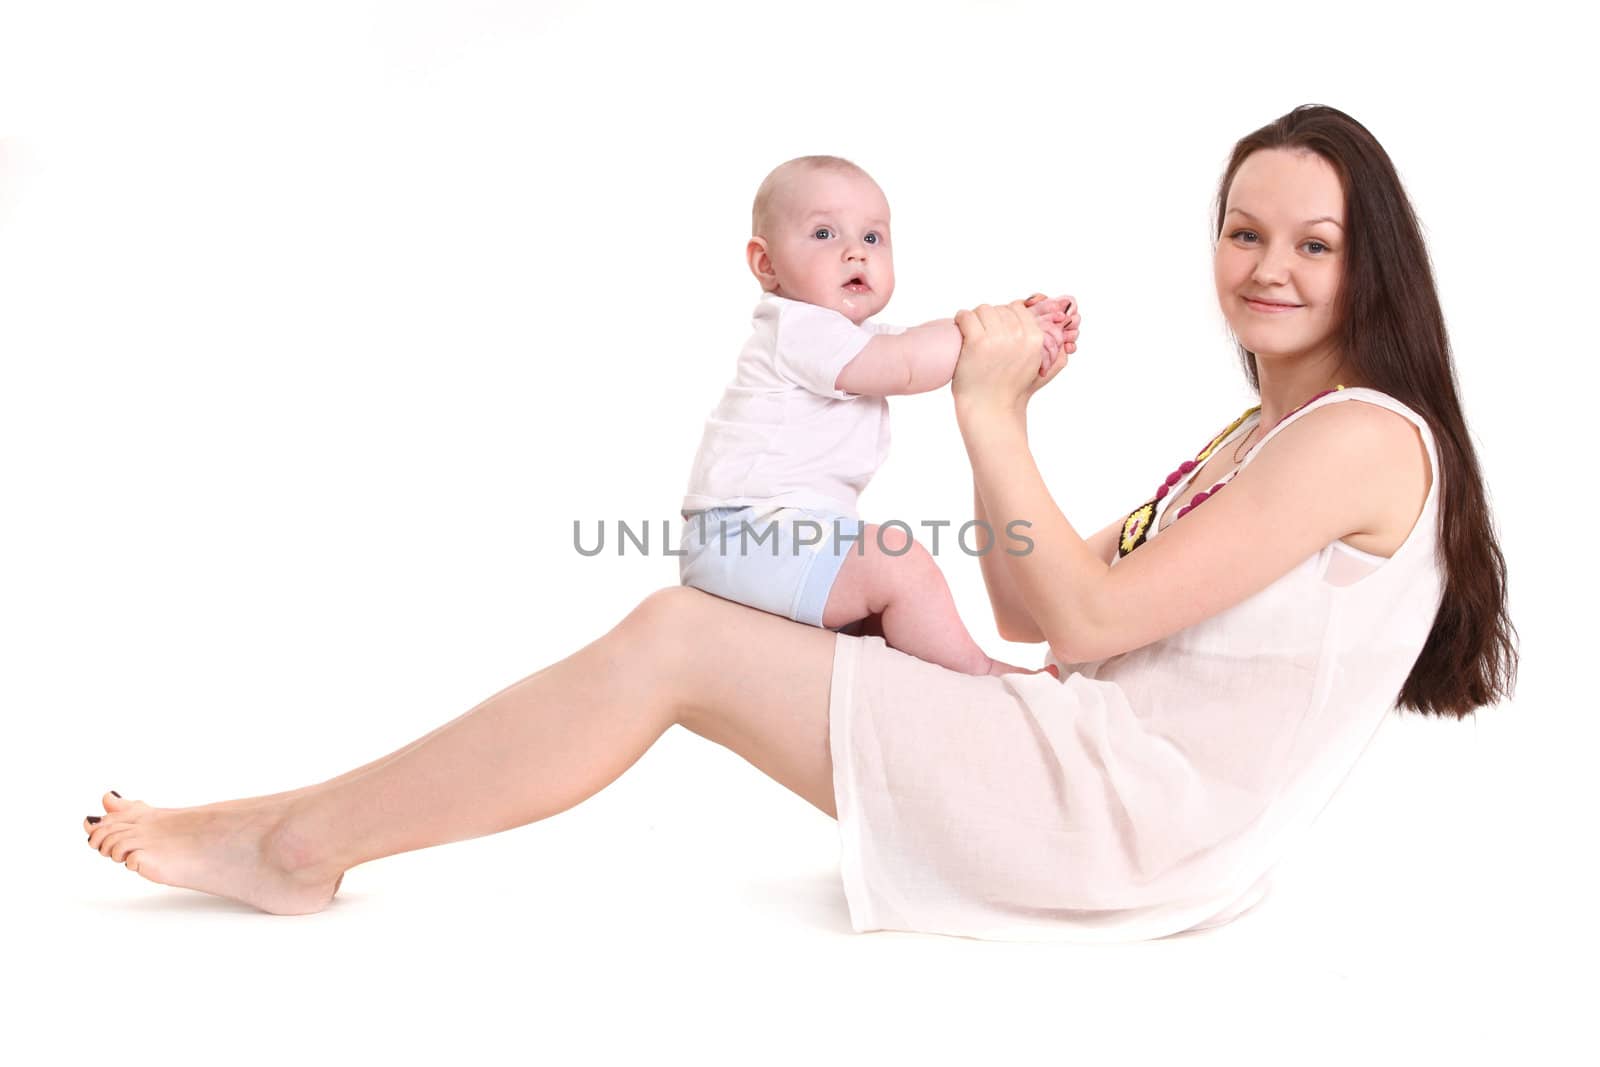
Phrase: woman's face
(1280, 258)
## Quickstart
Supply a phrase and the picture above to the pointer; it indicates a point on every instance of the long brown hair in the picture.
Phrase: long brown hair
(1392, 335)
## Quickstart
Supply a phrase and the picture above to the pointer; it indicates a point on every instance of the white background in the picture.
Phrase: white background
(321, 323)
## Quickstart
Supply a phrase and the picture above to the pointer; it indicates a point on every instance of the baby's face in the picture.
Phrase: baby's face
(829, 243)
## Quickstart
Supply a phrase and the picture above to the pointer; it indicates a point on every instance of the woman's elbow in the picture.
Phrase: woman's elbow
(1073, 647)
(1018, 635)
(1022, 631)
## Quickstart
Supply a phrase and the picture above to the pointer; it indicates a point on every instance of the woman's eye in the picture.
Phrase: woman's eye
(822, 233)
(1242, 234)
(1317, 247)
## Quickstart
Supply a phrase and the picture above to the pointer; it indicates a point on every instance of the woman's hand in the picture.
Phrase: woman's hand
(999, 369)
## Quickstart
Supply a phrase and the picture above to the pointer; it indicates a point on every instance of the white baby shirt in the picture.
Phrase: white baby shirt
(783, 436)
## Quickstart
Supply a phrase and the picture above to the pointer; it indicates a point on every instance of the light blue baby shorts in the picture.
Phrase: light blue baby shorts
(781, 560)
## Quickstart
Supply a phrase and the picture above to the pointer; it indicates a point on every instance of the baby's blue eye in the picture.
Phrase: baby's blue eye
(872, 238)
(823, 233)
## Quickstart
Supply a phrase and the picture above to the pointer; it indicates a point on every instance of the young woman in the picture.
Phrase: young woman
(1219, 675)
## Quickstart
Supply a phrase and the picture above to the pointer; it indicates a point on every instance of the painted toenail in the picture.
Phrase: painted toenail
(93, 819)
(116, 794)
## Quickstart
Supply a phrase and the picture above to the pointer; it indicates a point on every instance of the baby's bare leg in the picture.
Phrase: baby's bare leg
(898, 579)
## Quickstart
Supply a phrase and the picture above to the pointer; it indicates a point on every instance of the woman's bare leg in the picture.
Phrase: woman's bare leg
(750, 681)
(112, 802)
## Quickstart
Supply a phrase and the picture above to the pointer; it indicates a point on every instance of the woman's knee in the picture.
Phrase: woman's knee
(663, 615)
(671, 623)
(651, 644)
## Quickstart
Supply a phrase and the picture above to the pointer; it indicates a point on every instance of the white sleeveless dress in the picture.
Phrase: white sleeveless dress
(1140, 795)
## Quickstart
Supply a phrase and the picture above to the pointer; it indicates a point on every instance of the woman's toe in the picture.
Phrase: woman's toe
(118, 846)
(105, 828)
(113, 803)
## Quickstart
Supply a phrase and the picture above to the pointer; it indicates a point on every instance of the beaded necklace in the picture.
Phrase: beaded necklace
(1136, 527)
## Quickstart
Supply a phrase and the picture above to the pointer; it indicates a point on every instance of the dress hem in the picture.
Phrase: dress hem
(841, 708)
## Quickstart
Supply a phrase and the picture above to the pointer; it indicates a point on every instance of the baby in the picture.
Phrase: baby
(771, 505)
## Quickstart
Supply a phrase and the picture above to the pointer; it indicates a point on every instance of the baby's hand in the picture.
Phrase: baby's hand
(1058, 318)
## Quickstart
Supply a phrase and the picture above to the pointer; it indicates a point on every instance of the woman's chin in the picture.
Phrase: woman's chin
(1268, 348)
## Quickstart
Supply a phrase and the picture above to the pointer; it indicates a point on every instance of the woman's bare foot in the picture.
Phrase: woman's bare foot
(245, 853)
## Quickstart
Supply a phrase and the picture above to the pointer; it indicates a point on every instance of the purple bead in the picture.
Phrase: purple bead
(1198, 498)
(1186, 466)
(1161, 492)
(1172, 479)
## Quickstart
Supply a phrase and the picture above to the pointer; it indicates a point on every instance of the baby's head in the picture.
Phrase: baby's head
(820, 233)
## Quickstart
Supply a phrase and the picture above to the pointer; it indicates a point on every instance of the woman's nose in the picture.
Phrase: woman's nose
(1272, 268)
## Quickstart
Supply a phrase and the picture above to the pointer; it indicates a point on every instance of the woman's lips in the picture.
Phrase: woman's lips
(1269, 309)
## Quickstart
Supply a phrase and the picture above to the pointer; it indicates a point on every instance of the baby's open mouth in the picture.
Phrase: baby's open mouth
(857, 283)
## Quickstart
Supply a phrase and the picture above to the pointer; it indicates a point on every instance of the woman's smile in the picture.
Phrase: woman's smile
(1268, 307)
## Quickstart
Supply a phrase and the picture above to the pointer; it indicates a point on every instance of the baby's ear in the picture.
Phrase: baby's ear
(760, 263)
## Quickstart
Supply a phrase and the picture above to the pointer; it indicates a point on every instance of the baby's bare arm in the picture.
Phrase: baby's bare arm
(920, 359)
(923, 358)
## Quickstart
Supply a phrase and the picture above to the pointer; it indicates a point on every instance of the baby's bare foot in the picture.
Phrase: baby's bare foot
(242, 853)
(996, 667)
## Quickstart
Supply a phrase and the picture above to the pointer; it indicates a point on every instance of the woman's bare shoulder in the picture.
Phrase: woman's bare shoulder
(1386, 452)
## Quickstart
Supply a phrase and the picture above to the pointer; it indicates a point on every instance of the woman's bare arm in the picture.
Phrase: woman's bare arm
(1011, 616)
(1324, 477)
